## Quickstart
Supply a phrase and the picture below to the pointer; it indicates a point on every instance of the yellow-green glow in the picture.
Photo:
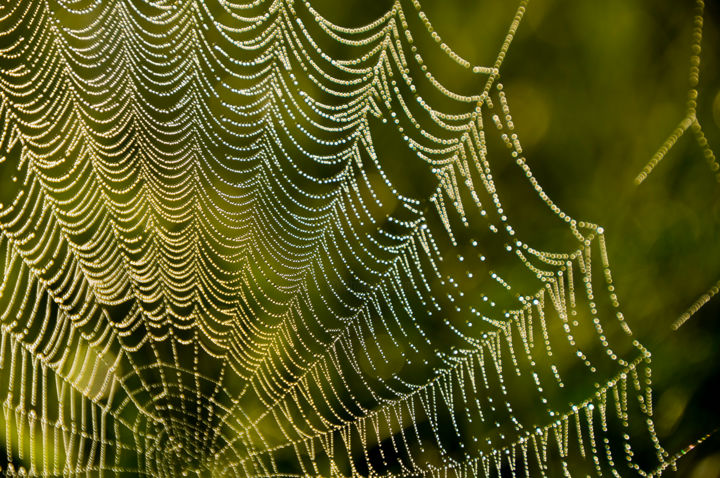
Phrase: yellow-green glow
(282, 239)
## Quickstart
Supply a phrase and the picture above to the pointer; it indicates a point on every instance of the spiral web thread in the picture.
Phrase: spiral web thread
(209, 267)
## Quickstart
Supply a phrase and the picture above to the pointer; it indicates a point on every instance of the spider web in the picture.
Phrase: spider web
(215, 264)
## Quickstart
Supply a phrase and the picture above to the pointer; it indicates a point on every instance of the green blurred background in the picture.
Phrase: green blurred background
(595, 89)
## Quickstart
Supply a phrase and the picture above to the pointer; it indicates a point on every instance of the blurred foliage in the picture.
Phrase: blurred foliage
(595, 88)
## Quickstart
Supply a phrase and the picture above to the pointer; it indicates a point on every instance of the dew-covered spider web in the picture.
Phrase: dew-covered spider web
(243, 240)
